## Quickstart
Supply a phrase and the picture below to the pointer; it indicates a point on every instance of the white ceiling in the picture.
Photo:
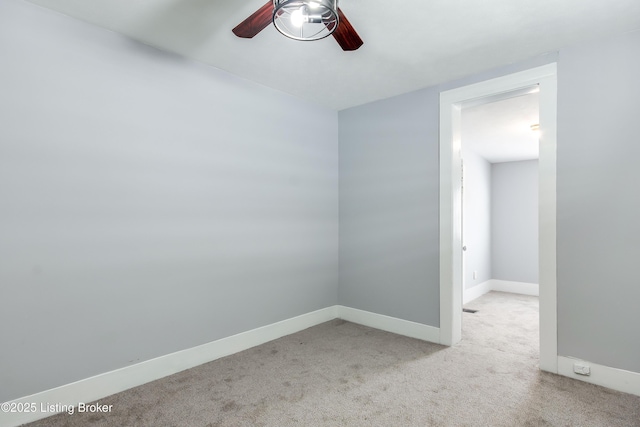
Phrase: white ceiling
(407, 45)
(500, 131)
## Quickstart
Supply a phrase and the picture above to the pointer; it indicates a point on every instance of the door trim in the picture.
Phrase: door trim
(450, 204)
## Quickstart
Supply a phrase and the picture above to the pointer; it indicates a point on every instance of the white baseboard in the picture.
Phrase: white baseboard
(613, 378)
(476, 291)
(500, 285)
(390, 324)
(515, 287)
(103, 385)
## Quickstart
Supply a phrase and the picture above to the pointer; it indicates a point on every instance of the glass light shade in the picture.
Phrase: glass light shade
(305, 19)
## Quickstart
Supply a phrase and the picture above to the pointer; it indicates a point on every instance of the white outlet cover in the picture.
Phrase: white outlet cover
(581, 368)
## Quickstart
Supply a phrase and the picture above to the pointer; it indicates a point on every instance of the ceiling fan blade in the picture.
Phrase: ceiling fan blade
(345, 35)
(255, 23)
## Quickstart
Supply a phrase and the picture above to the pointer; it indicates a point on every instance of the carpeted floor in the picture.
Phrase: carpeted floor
(343, 374)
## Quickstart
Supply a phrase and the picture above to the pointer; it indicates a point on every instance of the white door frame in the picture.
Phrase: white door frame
(450, 204)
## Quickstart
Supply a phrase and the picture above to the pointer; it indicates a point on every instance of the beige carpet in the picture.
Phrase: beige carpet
(342, 374)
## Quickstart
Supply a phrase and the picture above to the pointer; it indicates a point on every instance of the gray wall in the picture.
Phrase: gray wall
(148, 204)
(514, 221)
(389, 207)
(598, 202)
(476, 217)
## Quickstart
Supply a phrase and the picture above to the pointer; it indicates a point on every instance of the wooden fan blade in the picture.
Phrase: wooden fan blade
(345, 35)
(255, 23)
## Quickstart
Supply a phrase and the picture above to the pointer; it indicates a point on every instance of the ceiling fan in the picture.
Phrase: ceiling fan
(302, 20)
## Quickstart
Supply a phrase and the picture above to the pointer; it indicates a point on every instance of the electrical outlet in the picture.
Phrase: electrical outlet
(581, 368)
(475, 275)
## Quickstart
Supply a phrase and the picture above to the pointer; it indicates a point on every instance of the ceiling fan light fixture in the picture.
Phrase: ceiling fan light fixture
(305, 19)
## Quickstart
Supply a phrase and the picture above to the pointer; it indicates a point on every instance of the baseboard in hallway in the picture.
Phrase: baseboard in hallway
(500, 285)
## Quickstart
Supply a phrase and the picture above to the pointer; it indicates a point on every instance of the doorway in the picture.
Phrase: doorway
(500, 152)
(451, 265)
